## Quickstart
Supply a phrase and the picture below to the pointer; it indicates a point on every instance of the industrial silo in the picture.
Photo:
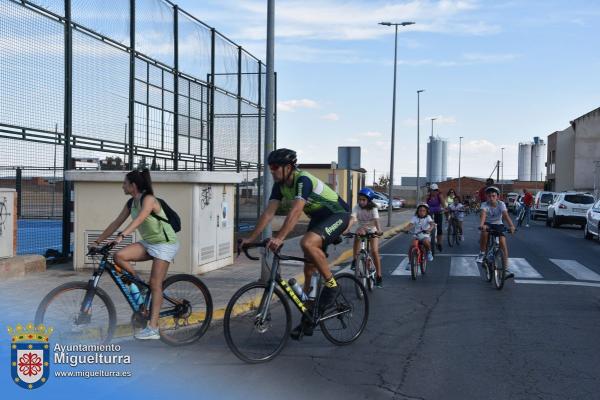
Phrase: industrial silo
(444, 160)
(538, 159)
(525, 161)
(436, 159)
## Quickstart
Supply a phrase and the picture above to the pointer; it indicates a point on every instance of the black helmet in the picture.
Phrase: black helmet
(282, 157)
(491, 189)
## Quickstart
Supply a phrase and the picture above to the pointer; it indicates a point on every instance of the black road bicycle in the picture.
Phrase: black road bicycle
(365, 266)
(454, 231)
(493, 261)
(82, 312)
(258, 320)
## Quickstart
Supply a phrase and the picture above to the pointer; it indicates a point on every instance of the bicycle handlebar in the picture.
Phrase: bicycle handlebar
(503, 230)
(263, 244)
(104, 250)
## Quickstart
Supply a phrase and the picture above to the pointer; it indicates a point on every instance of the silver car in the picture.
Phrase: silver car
(592, 225)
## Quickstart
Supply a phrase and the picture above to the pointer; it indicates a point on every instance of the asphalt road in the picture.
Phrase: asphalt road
(443, 336)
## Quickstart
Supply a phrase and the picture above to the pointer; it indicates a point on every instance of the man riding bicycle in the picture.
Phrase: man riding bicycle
(493, 211)
(329, 216)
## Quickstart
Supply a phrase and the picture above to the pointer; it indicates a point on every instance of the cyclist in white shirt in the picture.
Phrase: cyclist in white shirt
(367, 215)
(493, 211)
(422, 224)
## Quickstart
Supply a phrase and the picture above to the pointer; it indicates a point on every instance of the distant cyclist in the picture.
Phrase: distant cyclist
(329, 216)
(159, 241)
(367, 215)
(437, 203)
(422, 224)
(456, 210)
(493, 211)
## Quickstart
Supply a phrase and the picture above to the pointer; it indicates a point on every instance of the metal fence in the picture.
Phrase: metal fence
(123, 83)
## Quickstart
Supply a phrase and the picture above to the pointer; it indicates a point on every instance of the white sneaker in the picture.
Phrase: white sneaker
(429, 256)
(148, 333)
(527, 226)
(479, 259)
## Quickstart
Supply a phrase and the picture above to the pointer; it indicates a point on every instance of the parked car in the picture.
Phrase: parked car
(382, 205)
(540, 204)
(511, 201)
(592, 225)
(382, 196)
(569, 208)
(402, 202)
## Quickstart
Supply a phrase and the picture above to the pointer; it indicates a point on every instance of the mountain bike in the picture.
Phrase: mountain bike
(365, 267)
(258, 319)
(82, 312)
(493, 261)
(521, 215)
(417, 257)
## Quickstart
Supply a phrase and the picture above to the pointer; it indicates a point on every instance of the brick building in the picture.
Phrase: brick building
(470, 186)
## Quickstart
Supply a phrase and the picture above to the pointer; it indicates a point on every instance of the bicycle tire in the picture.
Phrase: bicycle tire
(433, 241)
(451, 233)
(64, 330)
(423, 264)
(499, 273)
(350, 306)
(457, 239)
(414, 260)
(370, 277)
(195, 315)
(360, 271)
(244, 312)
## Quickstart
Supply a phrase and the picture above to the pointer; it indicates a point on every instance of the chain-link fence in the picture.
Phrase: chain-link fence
(119, 82)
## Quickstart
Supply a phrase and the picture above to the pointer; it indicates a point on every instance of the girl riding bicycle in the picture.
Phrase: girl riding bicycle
(159, 241)
(422, 225)
(457, 210)
(367, 215)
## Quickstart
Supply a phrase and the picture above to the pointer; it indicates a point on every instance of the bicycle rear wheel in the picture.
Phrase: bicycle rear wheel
(347, 321)
(499, 271)
(414, 261)
(61, 310)
(190, 308)
(451, 233)
(251, 338)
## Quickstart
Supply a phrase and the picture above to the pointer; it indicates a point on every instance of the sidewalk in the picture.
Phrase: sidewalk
(19, 297)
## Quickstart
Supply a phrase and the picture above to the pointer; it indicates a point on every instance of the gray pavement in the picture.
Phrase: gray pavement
(19, 297)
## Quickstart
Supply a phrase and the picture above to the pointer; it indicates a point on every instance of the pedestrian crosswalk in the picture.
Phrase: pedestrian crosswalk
(524, 271)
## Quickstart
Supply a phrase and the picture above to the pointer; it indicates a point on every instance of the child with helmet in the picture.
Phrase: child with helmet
(422, 224)
(367, 215)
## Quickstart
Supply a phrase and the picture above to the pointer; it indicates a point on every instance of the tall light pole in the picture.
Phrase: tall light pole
(502, 179)
(418, 143)
(430, 153)
(459, 177)
(391, 183)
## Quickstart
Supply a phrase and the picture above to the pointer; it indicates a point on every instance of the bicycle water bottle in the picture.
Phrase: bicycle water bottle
(298, 289)
(314, 282)
(135, 293)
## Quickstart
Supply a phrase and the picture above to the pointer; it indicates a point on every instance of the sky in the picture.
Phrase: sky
(495, 72)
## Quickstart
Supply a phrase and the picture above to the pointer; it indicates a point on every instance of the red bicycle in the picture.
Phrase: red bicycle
(417, 257)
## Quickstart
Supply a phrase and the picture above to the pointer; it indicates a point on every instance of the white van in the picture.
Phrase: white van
(540, 204)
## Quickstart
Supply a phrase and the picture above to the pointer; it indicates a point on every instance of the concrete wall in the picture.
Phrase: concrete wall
(565, 152)
(587, 150)
(342, 181)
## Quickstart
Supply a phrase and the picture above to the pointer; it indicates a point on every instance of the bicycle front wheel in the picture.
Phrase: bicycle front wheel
(414, 261)
(423, 264)
(347, 321)
(61, 310)
(451, 233)
(499, 271)
(360, 272)
(187, 308)
(252, 337)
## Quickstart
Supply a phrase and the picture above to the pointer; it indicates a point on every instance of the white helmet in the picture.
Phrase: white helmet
(433, 186)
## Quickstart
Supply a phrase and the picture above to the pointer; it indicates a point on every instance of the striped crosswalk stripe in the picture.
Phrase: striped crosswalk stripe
(576, 270)
(463, 266)
(401, 269)
(522, 269)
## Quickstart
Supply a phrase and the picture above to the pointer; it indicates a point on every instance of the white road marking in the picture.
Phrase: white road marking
(522, 269)
(436, 255)
(566, 283)
(401, 269)
(463, 266)
(576, 270)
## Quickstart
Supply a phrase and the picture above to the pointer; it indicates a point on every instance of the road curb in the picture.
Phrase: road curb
(125, 330)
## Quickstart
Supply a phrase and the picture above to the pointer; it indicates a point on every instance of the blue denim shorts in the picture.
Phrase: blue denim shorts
(162, 251)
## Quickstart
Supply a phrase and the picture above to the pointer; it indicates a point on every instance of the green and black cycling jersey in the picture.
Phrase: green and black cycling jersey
(321, 200)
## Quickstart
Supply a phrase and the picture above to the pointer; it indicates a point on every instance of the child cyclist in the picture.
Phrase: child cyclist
(457, 210)
(422, 224)
(493, 211)
(367, 215)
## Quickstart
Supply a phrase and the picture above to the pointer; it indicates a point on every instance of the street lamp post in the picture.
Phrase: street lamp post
(391, 183)
(418, 144)
(502, 179)
(459, 177)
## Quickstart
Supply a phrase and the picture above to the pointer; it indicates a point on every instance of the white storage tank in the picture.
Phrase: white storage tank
(436, 159)
(444, 160)
(538, 159)
(524, 172)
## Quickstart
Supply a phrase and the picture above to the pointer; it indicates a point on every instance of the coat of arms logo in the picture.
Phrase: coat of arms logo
(30, 355)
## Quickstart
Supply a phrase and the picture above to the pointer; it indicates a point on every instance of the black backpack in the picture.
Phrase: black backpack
(172, 216)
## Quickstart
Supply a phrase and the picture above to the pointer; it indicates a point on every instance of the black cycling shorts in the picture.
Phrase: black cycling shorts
(496, 227)
(329, 228)
(438, 218)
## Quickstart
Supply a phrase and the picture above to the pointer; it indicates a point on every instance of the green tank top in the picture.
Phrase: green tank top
(153, 230)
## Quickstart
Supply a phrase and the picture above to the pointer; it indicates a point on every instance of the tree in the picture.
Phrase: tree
(384, 181)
